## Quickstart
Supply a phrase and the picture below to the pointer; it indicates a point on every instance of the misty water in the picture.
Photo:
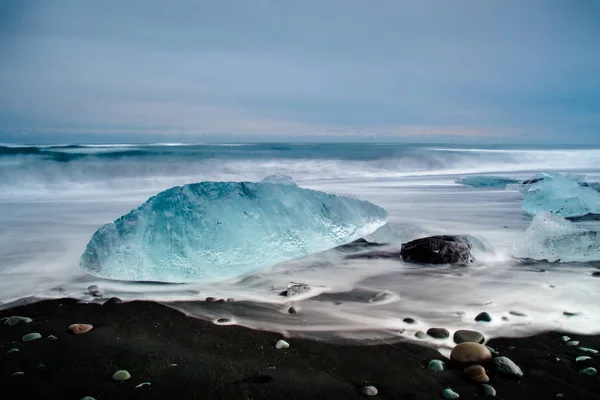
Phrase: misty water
(53, 198)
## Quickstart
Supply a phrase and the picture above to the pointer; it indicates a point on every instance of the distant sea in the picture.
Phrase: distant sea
(53, 198)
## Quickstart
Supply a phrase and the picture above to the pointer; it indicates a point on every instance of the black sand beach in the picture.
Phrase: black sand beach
(187, 358)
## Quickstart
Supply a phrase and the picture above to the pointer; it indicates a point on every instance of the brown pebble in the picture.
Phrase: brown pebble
(477, 373)
(80, 329)
(470, 353)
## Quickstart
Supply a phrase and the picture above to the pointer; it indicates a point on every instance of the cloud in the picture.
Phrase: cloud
(465, 68)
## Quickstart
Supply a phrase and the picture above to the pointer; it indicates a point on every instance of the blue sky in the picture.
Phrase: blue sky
(496, 71)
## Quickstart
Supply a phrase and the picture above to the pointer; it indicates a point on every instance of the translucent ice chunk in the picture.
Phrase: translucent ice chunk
(562, 196)
(279, 179)
(216, 230)
(553, 238)
(486, 181)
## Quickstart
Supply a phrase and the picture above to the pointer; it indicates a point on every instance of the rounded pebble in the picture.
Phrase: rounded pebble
(292, 310)
(573, 343)
(488, 390)
(52, 337)
(121, 375)
(463, 335)
(143, 384)
(438, 333)
(31, 336)
(589, 371)
(223, 321)
(18, 373)
(230, 300)
(112, 302)
(517, 313)
(409, 320)
(476, 373)
(15, 320)
(80, 329)
(506, 366)
(483, 317)
(450, 394)
(420, 335)
(14, 350)
(578, 359)
(282, 344)
(588, 350)
(470, 353)
(88, 398)
(369, 391)
(565, 338)
(436, 365)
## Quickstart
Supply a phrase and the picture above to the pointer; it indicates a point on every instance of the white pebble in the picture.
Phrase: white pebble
(282, 344)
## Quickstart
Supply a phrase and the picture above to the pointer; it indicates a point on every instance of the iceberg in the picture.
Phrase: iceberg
(560, 195)
(553, 238)
(212, 231)
(486, 181)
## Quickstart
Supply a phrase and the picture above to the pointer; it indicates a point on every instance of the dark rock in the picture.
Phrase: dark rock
(409, 320)
(210, 299)
(357, 245)
(230, 300)
(112, 302)
(438, 333)
(596, 274)
(292, 310)
(488, 390)
(220, 301)
(463, 335)
(483, 317)
(223, 321)
(517, 314)
(506, 366)
(294, 289)
(570, 314)
(443, 249)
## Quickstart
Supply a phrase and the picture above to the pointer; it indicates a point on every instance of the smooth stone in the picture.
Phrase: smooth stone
(230, 300)
(463, 335)
(589, 371)
(470, 353)
(80, 329)
(409, 320)
(517, 314)
(578, 359)
(369, 391)
(565, 338)
(420, 335)
(438, 333)
(14, 350)
(121, 375)
(31, 336)
(483, 317)
(14, 320)
(488, 390)
(112, 302)
(450, 394)
(596, 274)
(18, 373)
(506, 366)
(292, 310)
(476, 373)
(52, 337)
(588, 350)
(570, 314)
(282, 344)
(223, 321)
(436, 365)
(143, 384)
(573, 343)
(210, 299)
(493, 351)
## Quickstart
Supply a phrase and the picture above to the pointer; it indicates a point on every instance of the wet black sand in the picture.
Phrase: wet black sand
(187, 358)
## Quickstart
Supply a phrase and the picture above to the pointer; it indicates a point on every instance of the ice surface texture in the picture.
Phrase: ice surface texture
(560, 195)
(211, 231)
(553, 238)
(486, 181)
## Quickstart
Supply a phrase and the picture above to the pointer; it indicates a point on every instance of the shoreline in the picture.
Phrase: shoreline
(186, 358)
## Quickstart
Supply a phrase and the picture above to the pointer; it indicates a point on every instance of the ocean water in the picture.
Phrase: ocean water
(53, 198)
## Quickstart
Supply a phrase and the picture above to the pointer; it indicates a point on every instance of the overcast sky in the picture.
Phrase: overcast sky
(520, 70)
